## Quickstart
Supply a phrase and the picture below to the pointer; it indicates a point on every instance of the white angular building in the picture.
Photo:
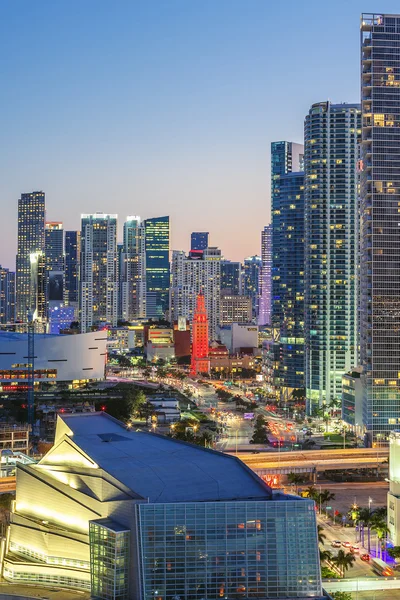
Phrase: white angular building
(137, 516)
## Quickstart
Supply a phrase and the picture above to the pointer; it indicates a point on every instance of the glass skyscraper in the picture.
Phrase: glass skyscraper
(380, 224)
(7, 296)
(288, 278)
(31, 219)
(251, 281)
(157, 266)
(230, 278)
(133, 270)
(72, 262)
(264, 313)
(332, 134)
(199, 240)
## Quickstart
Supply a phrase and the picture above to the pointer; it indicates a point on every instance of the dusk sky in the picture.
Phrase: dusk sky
(164, 107)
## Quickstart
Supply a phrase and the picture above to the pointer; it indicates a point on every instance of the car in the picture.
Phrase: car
(336, 544)
(365, 557)
(355, 550)
(346, 544)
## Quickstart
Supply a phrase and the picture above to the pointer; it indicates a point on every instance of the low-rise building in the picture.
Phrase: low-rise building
(352, 399)
(239, 335)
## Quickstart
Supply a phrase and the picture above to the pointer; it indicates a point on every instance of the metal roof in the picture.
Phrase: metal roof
(159, 468)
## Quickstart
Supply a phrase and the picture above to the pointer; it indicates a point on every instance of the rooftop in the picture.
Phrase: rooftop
(159, 468)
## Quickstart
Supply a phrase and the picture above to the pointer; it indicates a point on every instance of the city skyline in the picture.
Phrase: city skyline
(214, 115)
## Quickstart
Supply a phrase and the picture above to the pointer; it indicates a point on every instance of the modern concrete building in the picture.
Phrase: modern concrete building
(379, 233)
(31, 219)
(99, 271)
(133, 271)
(393, 497)
(72, 269)
(331, 135)
(77, 358)
(352, 400)
(7, 295)
(265, 286)
(235, 309)
(193, 275)
(239, 335)
(134, 515)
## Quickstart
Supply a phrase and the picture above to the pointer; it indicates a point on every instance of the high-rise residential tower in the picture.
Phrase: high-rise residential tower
(380, 224)
(199, 240)
(133, 271)
(7, 296)
(157, 266)
(251, 281)
(55, 265)
(31, 220)
(264, 312)
(332, 134)
(99, 271)
(193, 275)
(288, 279)
(72, 266)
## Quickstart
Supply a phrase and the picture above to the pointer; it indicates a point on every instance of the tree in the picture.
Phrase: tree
(342, 596)
(296, 479)
(321, 535)
(365, 520)
(312, 493)
(260, 431)
(325, 496)
(394, 552)
(378, 524)
(343, 560)
(325, 555)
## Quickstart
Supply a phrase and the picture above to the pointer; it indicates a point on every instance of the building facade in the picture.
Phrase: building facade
(288, 278)
(192, 275)
(251, 281)
(157, 266)
(332, 135)
(31, 220)
(7, 296)
(199, 240)
(99, 271)
(200, 362)
(379, 233)
(92, 516)
(235, 309)
(265, 307)
(72, 267)
(230, 278)
(133, 271)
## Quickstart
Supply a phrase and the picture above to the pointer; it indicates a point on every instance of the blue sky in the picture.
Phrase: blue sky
(164, 107)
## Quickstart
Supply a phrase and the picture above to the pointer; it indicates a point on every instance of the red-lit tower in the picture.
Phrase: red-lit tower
(200, 359)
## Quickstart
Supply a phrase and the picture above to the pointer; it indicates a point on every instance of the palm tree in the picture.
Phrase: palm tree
(321, 535)
(325, 555)
(343, 560)
(312, 493)
(381, 529)
(295, 479)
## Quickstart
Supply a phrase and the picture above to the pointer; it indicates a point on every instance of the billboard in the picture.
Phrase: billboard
(248, 416)
(56, 286)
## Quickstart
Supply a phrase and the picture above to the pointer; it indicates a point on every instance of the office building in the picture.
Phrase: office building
(72, 267)
(230, 278)
(288, 278)
(239, 337)
(332, 135)
(60, 317)
(199, 240)
(99, 271)
(193, 275)
(235, 309)
(7, 295)
(31, 220)
(379, 232)
(38, 290)
(265, 307)
(251, 281)
(131, 515)
(54, 258)
(200, 362)
(133, 271)
(157, 266)
(352, 400)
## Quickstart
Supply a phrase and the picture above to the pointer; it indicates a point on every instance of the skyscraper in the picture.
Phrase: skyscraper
(200, 344)
(55, 265)
(230, 278)
(38, 289)
(288, 279)
(264, 313)
(7, 296)
(72, 266)
(332, 133)
(251, 281)
(380, 218)
(157, 266)
(199, 240)
(99, 270)
(31, 219)
(193, 275)
(133, 270)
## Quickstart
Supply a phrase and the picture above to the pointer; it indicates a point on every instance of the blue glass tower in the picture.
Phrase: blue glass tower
(230, 278)
(157, 266)
(199, 240)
